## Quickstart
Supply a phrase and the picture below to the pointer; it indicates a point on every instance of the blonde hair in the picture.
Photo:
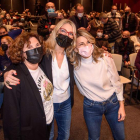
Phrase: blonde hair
(9, 40)
(74, 56)
(51, 41)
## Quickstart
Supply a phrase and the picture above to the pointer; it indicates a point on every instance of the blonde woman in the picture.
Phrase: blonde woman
(98, 81)
(59, 71)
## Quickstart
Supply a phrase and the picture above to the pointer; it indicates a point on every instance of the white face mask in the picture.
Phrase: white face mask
(86, 51)
(114, 11)
(99, 34)
(80, 15)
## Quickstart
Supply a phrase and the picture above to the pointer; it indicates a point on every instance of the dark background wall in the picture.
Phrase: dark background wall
(134, 4)
(102, 5)
(64, 4)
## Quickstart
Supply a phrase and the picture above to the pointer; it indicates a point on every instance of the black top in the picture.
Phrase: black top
(79, 22)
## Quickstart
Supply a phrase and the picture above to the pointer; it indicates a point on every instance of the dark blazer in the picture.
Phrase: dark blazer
(79, 22)
(46, 65)
(24, 117)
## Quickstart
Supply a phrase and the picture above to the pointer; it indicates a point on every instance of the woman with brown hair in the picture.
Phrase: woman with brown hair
(98, 81)
(59, 70)
(28, 107)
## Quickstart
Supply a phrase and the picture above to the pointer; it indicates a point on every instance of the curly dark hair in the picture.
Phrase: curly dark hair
(16, 49)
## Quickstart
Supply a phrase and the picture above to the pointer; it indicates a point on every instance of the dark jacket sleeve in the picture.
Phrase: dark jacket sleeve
(11, 113)
(41, 30)
(137, 61)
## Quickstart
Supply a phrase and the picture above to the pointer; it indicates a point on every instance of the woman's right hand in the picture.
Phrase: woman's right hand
(9, 79)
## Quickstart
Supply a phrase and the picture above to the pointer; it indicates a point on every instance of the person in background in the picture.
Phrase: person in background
(98, 81)
(136, 40)
(7, 20)
(130, 21)
(111, 29)
(5, 62)
(13, 34)
(46, 24)
(79, 20)
(2, 14)
(124, 47)
(100, 41)
(38, 9)
(121, 12)
(28, 106)
(94, 24)
(115, 15)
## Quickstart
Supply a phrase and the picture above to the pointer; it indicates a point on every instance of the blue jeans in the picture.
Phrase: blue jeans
(62, 114)
(93, 112)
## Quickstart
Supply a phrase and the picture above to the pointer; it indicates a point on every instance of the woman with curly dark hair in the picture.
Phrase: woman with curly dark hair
(28, 107)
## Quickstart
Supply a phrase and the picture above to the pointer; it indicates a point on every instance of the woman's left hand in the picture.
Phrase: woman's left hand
(107, 54)
(121, 113)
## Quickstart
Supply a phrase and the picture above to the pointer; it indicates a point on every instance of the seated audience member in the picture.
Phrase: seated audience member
(136, 40)
(124, 46)
(111, 29)
(7, 20)
(130, 21)
(115, 15)
(79, 19)
(13, 34)
(100, 41)
(94, 24)
(28, 107)
(28, 13)
(47, 23)
(4, 56)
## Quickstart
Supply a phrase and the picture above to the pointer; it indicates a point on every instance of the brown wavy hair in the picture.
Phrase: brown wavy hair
(16, 49)
(9, 40)
(74, 56)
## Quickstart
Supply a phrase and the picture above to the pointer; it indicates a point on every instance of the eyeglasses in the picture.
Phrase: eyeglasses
(65, 32)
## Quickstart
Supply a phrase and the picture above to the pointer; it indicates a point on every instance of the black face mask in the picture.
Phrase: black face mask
(126, 13)
(4, 47)
(124, 39)
(63, 40)
(34, 56)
